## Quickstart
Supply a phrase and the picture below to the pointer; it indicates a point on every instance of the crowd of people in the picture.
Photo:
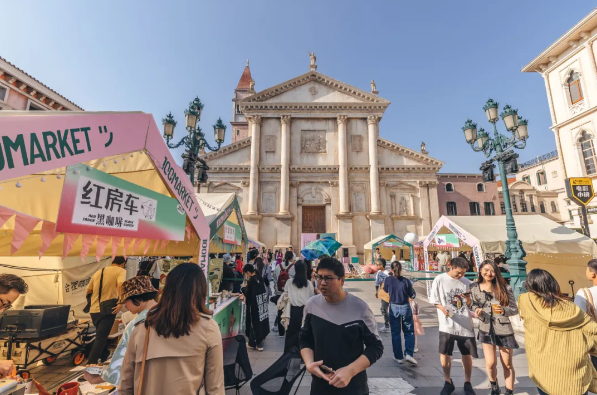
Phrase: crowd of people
(174, 346)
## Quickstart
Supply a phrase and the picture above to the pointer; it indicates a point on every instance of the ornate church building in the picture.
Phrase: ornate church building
(306, 157)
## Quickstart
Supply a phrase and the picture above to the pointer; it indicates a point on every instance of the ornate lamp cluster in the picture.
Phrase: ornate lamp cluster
(194, 142)
(479, 141)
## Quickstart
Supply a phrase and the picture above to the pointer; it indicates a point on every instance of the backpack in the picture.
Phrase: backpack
(283, 277)
(145, 267)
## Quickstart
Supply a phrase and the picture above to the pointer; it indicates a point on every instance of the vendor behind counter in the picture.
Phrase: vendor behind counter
(11, 287)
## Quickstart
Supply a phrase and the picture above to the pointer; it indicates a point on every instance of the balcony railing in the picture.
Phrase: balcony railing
(540, 159)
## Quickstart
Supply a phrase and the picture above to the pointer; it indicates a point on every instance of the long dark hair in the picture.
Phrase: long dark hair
(288, 257)
(300, 274)
(544, 285)
(182, 302)
(309, 268)
(498, 284)
(259, 266)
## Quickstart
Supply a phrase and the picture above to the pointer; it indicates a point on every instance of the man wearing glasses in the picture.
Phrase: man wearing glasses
(11, 287)
(339, 338)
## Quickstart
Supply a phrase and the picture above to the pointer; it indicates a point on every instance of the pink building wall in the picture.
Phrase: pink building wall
(465, 191)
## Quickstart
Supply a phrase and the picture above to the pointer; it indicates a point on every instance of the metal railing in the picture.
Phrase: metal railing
(540, 159)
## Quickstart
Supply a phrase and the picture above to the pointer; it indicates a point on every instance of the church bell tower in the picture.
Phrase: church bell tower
(245, 87)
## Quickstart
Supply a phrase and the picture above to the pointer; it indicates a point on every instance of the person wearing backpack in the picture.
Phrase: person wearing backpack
(587, 297)
(283, 272)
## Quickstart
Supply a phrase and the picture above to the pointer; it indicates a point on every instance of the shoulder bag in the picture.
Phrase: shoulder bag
(106, 306)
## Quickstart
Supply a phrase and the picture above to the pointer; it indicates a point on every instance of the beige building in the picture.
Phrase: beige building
(569, 69)
(20, 91)
(313, 162)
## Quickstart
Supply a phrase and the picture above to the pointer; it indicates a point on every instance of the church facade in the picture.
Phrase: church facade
(308, 159)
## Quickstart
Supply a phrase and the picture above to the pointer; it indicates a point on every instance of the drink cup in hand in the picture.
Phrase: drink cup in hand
(450, 311)
(496, 307)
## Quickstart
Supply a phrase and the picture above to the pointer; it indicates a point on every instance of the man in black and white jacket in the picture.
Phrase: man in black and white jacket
(339, 332)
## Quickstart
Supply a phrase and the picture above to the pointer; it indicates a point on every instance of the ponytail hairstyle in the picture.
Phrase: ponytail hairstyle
(396, 268)
(288, 257)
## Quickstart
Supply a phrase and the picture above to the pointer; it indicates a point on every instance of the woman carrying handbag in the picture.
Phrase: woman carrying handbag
(493, 302)
(178, 348)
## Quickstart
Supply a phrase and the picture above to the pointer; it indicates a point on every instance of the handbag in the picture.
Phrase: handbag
(106, 306)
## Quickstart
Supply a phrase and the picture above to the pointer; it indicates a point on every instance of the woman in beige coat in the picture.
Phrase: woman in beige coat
(184, 354)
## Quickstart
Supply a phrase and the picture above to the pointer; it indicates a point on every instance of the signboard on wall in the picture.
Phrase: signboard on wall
(447, 240)
(94, 202)
(231, 233)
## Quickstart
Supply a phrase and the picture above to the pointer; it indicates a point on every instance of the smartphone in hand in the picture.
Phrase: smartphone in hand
(326, 370)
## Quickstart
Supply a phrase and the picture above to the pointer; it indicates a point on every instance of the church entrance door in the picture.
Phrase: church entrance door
(313, 219)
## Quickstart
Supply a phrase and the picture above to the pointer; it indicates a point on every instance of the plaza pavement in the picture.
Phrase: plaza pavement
(386, 376)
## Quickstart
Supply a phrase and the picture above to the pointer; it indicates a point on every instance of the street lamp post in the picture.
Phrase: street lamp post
(194, 142)
(505, 157)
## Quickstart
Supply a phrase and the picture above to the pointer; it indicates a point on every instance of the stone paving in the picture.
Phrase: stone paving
(385, 374)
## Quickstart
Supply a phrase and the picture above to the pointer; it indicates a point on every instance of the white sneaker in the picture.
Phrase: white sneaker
(400, 361)
(384, 329)
(411, 360)
(416, 349)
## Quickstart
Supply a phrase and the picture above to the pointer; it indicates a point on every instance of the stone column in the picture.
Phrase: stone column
(285, 162)
(255, 127)
(372, 124)
(425, 209)
(433, 202)
(343, 162)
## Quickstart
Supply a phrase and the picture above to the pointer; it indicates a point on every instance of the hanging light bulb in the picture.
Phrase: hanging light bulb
(18, 185)
(124, 158)
(58, 176)
(132, 155)
(43, 179)
(105, 164)
(115, 161)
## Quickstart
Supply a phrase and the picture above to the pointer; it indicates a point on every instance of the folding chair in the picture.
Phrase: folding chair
(279, 378)
(237, 367)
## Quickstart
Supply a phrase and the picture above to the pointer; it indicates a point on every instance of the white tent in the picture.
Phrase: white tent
(550, 246)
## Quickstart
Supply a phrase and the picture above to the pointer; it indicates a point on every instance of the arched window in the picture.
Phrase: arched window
(588, 152)
(523, 202)
(554, 208)
(449, 187)
(526, 179)
(574, 89)
(542, 207)
(480, 187)
(541, 179)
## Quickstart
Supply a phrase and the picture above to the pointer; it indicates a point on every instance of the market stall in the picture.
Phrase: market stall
(386, 244)
(78, 189)
(227, 235)
(550, 246)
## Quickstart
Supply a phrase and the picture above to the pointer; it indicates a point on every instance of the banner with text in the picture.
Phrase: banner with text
(94, 202)
(231, 233)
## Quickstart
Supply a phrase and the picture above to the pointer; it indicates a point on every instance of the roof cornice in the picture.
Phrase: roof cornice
(323, 79)
(540, 59)
(227, 149)
(264, 107)
(408, 152)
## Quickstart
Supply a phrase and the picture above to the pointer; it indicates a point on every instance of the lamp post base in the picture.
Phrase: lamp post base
(517, 265)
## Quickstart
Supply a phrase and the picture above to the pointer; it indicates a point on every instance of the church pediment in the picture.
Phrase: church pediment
(237, 152)
(314, 87)
(392, 155)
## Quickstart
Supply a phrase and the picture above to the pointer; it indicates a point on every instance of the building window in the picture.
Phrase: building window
(480, 187)
(532, 204)
(474, 206)
(237, 109)
(489, 209)
(449, 187)
(542, 207)
(527, 179)
(451, 206)
(541, 179)
(588, 152)
(554, 208)
(570, 214)
(238, 132)
(514, 206)
(33, 107)
(503, 207)
(574, 88)
(523, 203)
(3, 92)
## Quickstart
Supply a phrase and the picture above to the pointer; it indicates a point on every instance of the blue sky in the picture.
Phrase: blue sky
(437, 62)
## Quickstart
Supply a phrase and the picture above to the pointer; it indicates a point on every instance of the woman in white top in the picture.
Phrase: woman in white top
(299, 289)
